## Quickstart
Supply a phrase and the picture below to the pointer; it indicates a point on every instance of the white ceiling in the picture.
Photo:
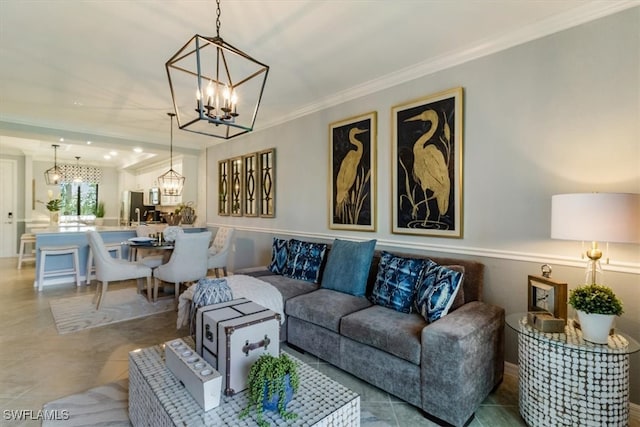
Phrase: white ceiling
(94, 70)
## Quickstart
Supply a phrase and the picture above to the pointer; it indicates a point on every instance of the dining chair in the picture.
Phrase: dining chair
(109, 269)
(219, 250)
(188, 262)
(150, 257)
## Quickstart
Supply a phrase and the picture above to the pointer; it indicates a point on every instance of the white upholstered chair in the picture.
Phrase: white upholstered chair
(109, 269)
(219, 250)
(188, 262)
(149, 257)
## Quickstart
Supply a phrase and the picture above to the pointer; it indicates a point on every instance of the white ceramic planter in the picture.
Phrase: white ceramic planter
(595, 327)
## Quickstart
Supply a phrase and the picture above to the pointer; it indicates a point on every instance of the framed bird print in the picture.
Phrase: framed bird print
(426, 170)
(352, 173)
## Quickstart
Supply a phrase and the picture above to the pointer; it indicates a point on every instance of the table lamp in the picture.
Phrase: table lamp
(596, 217)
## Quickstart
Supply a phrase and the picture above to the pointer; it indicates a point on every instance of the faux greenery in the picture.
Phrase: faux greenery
(596, 299)
(269, 370)
(54, 205)
(100, 210)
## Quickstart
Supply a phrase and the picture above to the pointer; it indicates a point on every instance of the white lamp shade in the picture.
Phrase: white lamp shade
(599, 217)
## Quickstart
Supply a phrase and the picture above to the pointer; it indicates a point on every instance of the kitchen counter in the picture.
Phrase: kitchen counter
(79, 228)
(75, 234)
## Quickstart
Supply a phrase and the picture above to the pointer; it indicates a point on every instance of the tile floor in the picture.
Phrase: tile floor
(37, 365)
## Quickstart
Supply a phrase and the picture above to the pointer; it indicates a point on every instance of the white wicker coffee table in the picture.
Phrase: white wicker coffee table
(156, 398)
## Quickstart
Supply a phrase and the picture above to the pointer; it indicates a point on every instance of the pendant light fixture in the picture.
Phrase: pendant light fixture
(216, 88)
(53, 176)
(78, 175)
(171, 182)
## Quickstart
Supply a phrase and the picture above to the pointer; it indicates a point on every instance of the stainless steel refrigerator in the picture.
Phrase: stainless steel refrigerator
(132, 200)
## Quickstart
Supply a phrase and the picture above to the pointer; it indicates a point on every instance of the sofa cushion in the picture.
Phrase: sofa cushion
(387, 330)
(279, 255)
(305, 260)
(289, 287)
(347, 266)
(396, 282)
(325, 307)
(437, 290)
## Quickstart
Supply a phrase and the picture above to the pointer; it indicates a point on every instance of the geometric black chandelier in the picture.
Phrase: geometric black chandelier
(216, 88)
(171, 182)
(53, 176)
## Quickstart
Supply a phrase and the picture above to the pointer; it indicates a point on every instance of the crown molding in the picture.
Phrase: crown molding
(580, 15)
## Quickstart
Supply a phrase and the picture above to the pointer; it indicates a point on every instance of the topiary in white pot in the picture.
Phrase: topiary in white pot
(597, 306)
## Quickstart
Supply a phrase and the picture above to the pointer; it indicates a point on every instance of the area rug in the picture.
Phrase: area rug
(77, 313)
(108, 405)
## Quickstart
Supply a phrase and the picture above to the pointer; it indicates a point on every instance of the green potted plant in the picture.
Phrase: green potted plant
(100, 213)
(596, 305)
(272, 382)
(54, 206)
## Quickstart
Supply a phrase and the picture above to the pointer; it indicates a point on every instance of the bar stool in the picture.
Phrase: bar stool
(46, 251)
(116, 248)
(26, 239)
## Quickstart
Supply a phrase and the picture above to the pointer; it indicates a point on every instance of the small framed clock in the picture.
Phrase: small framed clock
(546, 294)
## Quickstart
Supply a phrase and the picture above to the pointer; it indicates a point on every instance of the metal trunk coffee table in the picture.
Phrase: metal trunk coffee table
(156, 398)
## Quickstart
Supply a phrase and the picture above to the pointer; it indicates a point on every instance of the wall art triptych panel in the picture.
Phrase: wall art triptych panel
(246, 185)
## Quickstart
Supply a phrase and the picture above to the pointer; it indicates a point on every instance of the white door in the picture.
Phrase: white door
(8, 204)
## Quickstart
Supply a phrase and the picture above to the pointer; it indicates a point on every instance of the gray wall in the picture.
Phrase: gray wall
(556, 115)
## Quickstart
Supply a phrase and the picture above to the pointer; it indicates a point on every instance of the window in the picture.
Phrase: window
(78, 199)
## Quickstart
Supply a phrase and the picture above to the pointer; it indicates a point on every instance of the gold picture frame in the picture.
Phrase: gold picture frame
(352, 173)
(251, 188)
(236, 186)
(267, 162)
(426, 155)
(223, 187)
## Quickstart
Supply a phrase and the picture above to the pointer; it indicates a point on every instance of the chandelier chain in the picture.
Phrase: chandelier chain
(218, 18)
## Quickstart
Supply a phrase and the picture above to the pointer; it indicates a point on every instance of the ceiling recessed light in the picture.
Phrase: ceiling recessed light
(107, 157)
(88, 142)
(137, 150)
(61, 139)
(113, 153)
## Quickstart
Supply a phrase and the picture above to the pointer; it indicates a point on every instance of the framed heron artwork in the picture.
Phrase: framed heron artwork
(426, 152)
(352, 173)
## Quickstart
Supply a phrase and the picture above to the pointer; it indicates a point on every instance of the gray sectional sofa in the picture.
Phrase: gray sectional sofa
(446, 368)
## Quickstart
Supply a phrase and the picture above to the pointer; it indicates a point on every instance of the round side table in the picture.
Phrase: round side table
(567, 381)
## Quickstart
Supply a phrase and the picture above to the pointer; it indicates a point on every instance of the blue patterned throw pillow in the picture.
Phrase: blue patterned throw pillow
(279, 255)
(208, 291)
(437, 291)
(305, 260)
(396, 282)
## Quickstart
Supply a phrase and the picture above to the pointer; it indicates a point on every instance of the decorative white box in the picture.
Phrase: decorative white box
(233, 335)
(198, 377)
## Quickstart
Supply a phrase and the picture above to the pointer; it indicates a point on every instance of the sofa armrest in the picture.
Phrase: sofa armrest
(462, 360)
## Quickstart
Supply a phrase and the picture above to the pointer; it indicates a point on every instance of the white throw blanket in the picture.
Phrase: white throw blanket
(242, 286)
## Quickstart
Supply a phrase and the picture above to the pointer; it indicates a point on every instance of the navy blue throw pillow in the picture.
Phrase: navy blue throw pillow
(396, 282)
(279, 255)
(348, 266)
(305, 260)
(437, 291)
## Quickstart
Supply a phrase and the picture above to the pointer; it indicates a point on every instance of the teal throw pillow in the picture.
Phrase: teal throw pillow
(304, 261)
(437, 290)
(396, 282)
(348, 266)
